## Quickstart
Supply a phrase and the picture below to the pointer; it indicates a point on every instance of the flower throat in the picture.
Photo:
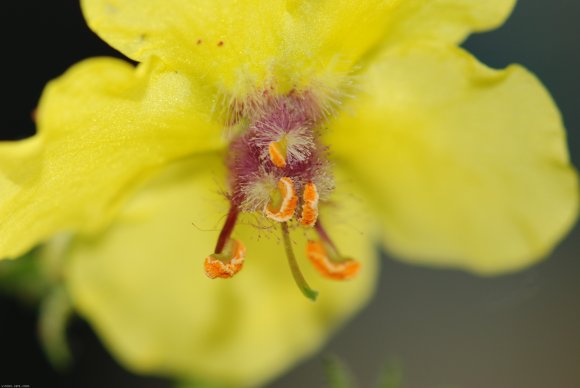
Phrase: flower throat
(279, 168)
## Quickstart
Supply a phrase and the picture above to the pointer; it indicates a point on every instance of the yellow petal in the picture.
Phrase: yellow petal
(244, 45)
(103, 126)
(211, 39)
(448, 21)
(143, 288)
(468, 166)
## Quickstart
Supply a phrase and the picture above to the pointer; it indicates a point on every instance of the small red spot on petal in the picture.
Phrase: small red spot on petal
(220, 43)
(199, 41)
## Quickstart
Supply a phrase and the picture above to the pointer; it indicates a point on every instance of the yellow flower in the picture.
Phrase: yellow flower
(448, 162)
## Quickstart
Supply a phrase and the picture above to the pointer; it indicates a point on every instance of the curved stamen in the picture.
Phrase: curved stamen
(327, 260)
(325, 237)
(227, 229)
(227, 264)
(283, 203)
(330, 266)
(228, 257)
(296, 273)
(277, 153)
(310, 206)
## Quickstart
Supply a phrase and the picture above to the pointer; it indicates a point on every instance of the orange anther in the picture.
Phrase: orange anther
(310, 206)
(287, 204)
(333, 269)
(277, 152)
(228, 263)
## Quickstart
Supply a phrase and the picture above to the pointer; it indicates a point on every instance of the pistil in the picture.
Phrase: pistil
(296, 273)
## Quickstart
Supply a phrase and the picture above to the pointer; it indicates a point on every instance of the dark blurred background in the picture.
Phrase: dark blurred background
(439, 329)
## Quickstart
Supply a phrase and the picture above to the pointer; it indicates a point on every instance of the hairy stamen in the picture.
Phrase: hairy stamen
(277, 152)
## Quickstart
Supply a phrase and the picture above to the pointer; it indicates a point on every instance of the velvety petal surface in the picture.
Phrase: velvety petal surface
(142, 285)
(247, 45)
(467, 166)
(444, 21)
(102, 127)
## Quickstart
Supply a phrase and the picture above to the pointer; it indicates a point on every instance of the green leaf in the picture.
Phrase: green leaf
(337, 374)
(391, 375)
(24, 277)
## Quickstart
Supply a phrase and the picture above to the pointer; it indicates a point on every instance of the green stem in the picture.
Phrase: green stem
(55, 313)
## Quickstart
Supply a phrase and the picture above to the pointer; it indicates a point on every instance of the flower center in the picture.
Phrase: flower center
(278, 167)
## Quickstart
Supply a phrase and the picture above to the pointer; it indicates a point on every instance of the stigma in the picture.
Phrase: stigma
(279, 168)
